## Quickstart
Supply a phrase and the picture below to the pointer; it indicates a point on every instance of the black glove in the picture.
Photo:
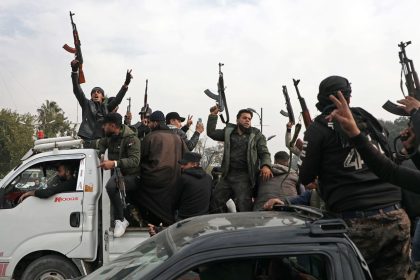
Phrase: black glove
(74, 65)
(128, 78)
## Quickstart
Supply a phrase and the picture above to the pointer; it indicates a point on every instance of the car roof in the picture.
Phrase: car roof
(253, 226)
(233, 230)
(227, 222)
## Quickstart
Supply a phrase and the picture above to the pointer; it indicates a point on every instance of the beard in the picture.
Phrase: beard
(109, 133)
(244, 129)
(62, 178)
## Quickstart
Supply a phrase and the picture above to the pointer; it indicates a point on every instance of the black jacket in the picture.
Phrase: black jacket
(406, 178)
(345, 181)
(92, 112)
(142, 130)
(193, 193)
(61, 187)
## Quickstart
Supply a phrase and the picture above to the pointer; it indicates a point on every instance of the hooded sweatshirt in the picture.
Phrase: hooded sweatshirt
(281, 185)
(193, 193)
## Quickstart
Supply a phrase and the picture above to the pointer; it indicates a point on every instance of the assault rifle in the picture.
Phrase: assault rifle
(119, 178)
(145, 107)
(307, 120)
(411, 81)
(129, 105)
(289, 108)
(76, 50)
(291, 116)
(127, 121)
(220, 98)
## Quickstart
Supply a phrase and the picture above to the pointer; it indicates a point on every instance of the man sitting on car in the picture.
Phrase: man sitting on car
(68, 182)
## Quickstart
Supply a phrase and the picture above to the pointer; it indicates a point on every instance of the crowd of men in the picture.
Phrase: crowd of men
(345, 167)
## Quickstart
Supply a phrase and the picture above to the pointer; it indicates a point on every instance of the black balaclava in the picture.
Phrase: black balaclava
(330, 86)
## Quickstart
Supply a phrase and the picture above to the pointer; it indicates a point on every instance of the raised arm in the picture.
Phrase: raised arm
(77, 90)
(120, 95)
(212, 132)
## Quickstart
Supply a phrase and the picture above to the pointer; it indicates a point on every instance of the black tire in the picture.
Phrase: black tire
(52, 267)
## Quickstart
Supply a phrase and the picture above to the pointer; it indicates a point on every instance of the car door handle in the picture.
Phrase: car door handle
(75, 219)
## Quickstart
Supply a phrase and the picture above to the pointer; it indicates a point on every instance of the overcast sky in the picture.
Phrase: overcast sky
(178, 44)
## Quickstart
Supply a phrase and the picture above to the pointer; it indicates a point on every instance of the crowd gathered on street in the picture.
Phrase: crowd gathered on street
(345, 167)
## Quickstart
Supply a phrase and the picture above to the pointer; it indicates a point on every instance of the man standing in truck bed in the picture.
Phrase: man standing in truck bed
(160, 171)
(123, 153)
(94, 109)
(245, 153)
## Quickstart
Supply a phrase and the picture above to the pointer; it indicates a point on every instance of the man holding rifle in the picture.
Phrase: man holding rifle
(245, 155)
(94, 109)
(123, 153)
(143, 125)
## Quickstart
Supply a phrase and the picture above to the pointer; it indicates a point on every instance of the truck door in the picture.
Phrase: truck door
(35, 224)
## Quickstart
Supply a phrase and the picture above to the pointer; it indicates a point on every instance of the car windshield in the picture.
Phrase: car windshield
(142, 259)
(151, 253)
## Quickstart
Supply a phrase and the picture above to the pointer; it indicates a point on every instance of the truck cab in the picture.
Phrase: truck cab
(68, 234)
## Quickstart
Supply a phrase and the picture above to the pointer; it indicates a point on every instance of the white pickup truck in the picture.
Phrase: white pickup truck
(66, 235)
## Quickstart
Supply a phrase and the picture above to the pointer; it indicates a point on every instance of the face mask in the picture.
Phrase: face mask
(62, 178)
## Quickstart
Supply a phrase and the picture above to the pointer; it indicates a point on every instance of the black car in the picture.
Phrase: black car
(293, 243)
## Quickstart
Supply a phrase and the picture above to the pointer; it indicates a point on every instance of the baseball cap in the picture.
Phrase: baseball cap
(174, 115)
(157, 116)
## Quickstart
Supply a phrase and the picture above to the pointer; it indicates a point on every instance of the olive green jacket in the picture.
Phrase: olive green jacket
(124, 148)
(257, 152)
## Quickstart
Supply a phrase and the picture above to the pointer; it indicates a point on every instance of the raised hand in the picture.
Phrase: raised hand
(214, 110)
(189, 120)
(128, 77)
(343, 115)
(74, 65)
(199, 127)
(410, 104)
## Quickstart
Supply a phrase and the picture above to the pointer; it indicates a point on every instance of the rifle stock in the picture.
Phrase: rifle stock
(81, 75)
(306, 119)
(295, 135)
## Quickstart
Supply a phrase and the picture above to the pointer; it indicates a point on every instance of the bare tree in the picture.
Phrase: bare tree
(211, 155)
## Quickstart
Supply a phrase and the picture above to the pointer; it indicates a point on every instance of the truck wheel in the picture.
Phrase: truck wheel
(51, 267)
